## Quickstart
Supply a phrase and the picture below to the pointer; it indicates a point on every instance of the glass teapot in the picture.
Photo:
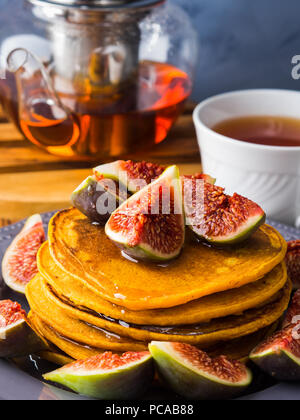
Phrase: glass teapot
(95, 78)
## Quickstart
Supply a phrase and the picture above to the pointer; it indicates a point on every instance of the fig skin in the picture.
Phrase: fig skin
(132, 175)
(275, 355)
(19, 261)
(86, 196)
(123, 383)
(293, 262)
(192, 383)
(217, 218)
(278, 361)
(19, 339)
(130, 224)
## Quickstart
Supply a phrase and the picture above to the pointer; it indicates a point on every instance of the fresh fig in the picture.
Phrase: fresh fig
(192, 374)
(98, 199)
(293, 262)
(108, 376)
(16, 336)
(216, 217)
(279, 356)
(19, 264)
(203, 177)
(133, 175)
(150, 224)
(293, 313)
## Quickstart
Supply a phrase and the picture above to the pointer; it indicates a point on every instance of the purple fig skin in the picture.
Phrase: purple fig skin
(275, 357)
(191, 382)
(86, 197)
(20, 340)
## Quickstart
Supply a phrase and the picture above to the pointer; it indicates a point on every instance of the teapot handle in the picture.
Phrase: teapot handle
(39, 105)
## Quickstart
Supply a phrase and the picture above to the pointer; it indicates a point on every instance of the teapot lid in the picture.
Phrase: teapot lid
(100, 4)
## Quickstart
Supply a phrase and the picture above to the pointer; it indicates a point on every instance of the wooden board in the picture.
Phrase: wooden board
(32, 181)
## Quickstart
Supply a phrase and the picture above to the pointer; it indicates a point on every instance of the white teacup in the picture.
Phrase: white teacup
(269, 175)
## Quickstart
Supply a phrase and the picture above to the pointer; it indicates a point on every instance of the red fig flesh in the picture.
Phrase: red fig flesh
(134, 175)
(16, 336)
(217, 217)
(192, 374)
(279, 356)
(108, 376)
(150, 224)
(293, 262)
(19, 264)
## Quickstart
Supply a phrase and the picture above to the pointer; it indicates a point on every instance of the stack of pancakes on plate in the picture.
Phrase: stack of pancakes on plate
(89, 298)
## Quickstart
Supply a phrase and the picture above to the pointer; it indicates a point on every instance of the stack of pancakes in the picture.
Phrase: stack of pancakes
(89, 298)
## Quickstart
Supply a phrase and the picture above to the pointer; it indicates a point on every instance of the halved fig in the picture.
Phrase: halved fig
(293, 262)
(98, 199)
(19, 264)
(108, 376)
(279, 356)
(150, 224)
(133, 175)
(216, 217)
(16, 336)
(292, 316)
(203, 177)
(192, 374)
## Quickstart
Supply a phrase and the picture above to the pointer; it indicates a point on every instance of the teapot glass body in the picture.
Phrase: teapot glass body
(95, 83)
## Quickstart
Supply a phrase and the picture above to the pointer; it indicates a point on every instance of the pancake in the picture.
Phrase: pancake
(98, 332)
(72, 328)
(56, 357)
(238, 349)
(70, 347)
(235, 301)
(82, 250)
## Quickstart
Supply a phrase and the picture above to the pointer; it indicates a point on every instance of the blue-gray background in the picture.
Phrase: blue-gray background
(244, 43)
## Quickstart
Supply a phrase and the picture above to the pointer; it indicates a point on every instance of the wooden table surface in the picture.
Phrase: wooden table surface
(32, 181)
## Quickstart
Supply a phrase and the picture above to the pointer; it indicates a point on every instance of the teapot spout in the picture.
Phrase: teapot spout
(44, 119)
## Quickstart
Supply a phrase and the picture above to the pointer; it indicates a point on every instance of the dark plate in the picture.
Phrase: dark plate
(23, 382)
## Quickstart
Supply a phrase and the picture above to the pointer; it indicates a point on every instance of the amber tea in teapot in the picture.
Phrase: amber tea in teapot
(95, 79)
(93, 129)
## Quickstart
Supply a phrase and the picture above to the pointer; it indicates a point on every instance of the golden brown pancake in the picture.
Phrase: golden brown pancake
(82, 250)
(56, 357)
(101, 333)
(73, 328)
(73, 291)
(240, 348)
(235, 349)
(70, 347)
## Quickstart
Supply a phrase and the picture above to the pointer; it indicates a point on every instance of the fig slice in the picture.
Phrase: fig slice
(133, 175)
(17, 338)
(293, 262)
(192, 374)
(150, 224)
(279, 356)
(107, 376)
(98, 199)
(293, 313)
(19, 263)
(216, 217)
(203, 177)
